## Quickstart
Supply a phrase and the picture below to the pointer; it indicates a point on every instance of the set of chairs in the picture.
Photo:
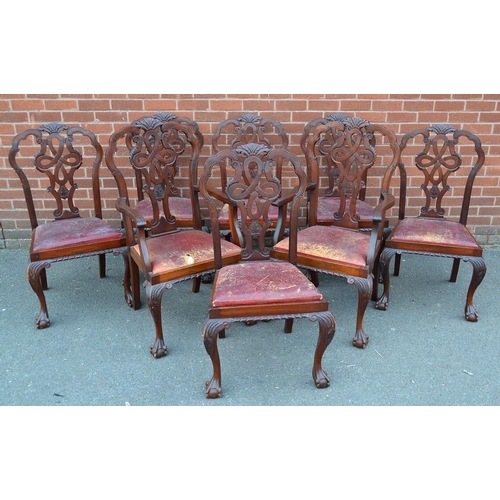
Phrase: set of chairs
(255, 219)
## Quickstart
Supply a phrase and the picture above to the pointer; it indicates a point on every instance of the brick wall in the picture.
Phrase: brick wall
(104, 113)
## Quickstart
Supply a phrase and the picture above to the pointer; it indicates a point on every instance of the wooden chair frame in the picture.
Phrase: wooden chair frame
(251, 189)
(341, 249)
(61, 160)
(159, 250)
(438, 159)
(151, 200)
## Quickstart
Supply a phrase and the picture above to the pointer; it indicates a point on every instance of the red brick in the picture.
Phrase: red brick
(105, 113)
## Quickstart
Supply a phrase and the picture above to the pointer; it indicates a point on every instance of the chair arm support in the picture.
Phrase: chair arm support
(387, 201)
(132, 218)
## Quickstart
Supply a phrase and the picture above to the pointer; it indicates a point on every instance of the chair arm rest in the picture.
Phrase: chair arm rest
(387, 201)
(123, 207)
(220, 196)
(285, 200)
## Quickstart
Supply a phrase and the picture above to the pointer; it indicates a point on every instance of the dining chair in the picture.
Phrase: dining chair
(352, 146)
(245, 129)
(59, 169)
(258, 288)
(135, 179)
(448, 160)
(161, 252)
(323, 194)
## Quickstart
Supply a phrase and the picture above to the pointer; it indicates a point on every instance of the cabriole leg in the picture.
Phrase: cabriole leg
(384, 263)
(327, 326)
(154, 294)
(34, 272)
(211, 330)
(364, 286)
(478, 274)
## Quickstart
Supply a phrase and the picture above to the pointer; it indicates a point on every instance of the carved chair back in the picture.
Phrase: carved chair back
(246, 179)
(438, 153)
(346, 150)
(330, 169)
(182, 177)
(58, 165)
(155, 147)
(250, 128)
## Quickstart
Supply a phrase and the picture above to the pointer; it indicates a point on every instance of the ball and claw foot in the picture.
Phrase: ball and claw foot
(207, 279)
(213, 389)
(159, 349)
(360, 340)
(321, 379)
(42, 321)
(128, 300)
(382, 304)
(471, 314)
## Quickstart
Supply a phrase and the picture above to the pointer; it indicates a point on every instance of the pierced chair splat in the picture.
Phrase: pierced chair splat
(57, 156)
(324, 198)
(184, 208)
(449, 160)
(258, 287)
(181, 200)
(163, 253)
(250, 128)
(340, 248)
